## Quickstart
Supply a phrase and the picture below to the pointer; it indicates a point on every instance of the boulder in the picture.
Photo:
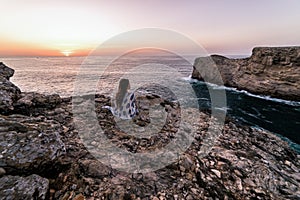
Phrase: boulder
(35, 103)
(29, 144)
(25, 188)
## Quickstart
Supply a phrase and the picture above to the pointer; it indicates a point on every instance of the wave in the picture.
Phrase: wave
(222, 87)
(190, 79)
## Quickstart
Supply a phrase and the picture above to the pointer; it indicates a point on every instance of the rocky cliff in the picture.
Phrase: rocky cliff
(8, 91)
(271, 71)
(43, 157)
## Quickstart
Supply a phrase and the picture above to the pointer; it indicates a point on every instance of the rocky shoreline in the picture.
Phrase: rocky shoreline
(43, 157)
(270, 71)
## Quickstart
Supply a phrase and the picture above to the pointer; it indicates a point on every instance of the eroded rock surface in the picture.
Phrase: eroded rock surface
(25, 188)
(9, 93)
(29, 144)
(271, 71)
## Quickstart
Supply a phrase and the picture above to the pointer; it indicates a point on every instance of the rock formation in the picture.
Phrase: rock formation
(31, 187)
(8, 91)
(43, 157)
(271, 71)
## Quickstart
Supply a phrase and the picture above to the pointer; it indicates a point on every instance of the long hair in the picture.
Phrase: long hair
(123, 87)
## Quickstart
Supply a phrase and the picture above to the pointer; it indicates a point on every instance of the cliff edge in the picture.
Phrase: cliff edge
(270, 71)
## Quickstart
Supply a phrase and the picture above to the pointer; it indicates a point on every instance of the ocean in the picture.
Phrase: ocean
(58, 75)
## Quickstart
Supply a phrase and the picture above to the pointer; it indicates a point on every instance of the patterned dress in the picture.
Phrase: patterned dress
(128, 108)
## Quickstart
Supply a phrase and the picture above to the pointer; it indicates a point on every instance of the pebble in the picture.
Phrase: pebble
(65, 129)
(217, 173)
(137, 176)
(194, 190)
(238, 173)
(189, 197)
(2, 171)
(94, 143)
(73, 187)
(288, 163)
(79, 197)
(239, 184)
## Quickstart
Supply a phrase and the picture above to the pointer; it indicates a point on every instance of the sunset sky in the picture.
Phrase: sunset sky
(57, 28)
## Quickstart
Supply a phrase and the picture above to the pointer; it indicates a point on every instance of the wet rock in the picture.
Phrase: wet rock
(25, 188)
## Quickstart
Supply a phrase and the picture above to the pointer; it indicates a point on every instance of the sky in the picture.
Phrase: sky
(70, 28)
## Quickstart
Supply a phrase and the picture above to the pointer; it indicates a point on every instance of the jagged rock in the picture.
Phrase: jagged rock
(276, 56)
(11, 97)
(271, 71)
(5, 71)
(28, 144)
(9, 93)
(23, 188)
(244, 163)
(90, 168)
(33, 103)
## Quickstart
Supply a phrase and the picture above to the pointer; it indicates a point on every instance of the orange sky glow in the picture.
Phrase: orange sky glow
(74, 28)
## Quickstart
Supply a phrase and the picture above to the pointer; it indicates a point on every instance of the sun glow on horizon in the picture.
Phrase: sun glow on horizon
(73, 30)
(67, 53)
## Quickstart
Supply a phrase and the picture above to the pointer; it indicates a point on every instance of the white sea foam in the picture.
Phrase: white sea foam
(222, 87)
(190, 79)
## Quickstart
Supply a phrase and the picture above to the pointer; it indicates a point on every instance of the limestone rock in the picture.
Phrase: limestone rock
(271, 71)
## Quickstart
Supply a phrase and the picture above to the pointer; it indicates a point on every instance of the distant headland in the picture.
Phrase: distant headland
(270, 71)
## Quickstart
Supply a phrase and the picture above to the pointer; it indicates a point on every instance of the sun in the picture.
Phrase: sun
(67, 53)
